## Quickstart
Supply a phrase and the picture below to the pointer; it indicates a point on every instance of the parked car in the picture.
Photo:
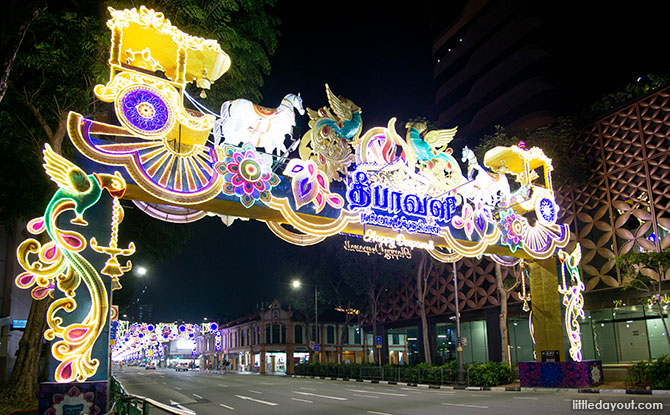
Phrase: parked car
(181, 367)
(143, 364)
(150, 365)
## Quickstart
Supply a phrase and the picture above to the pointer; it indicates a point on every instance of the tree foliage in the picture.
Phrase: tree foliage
(555, 140)
(633, 262)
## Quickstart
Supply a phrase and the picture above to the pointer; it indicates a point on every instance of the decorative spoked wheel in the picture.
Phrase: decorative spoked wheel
(546, 209)
(145, 111)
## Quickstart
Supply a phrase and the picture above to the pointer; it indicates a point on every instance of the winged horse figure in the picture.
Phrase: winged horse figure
(243, 121)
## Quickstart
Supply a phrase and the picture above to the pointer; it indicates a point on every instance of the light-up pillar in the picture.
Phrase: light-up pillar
(546, 305)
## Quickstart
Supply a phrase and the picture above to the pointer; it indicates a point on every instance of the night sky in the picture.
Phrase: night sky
(377, 54)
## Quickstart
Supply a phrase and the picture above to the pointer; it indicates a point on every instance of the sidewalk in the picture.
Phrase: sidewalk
(607, 387)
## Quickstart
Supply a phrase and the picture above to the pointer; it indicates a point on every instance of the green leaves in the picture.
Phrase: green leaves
(631, 263)
(555, 140)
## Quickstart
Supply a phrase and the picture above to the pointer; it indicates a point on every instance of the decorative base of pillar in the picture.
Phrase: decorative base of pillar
(89, 398)
(584, 374)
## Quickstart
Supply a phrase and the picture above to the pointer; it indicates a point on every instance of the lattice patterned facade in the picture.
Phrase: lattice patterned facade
(626, 200)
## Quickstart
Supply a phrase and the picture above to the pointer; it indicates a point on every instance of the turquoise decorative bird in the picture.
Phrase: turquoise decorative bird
(430, 145)
(74, 184)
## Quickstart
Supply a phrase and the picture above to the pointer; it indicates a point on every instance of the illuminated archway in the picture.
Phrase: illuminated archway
(393, 191)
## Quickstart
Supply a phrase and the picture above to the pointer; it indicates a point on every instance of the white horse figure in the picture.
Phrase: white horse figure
(243, 121)
(490, 188)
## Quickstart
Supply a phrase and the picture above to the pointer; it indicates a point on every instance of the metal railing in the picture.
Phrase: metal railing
(124, 403)
(414, 375)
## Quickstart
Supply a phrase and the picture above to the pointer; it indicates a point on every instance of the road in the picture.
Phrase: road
(235, 394)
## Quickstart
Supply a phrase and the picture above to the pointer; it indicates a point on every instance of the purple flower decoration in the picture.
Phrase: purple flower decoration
(512, 228)
(246, 174)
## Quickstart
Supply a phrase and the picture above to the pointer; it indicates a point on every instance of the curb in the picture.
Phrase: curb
(659, 392)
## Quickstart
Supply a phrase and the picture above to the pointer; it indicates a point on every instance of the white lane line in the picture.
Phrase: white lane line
(198, 396)
(227, 407)
(378, 413)
(222, 385)
(301, 400)
(256, 400)
(164, 383)
(267, 383)
(366, 396)
(253, 391)
(321, 396)
(308, 389)
(524, 397)
(466, 406)
(378, 393)
(177, 388)
(176, 404)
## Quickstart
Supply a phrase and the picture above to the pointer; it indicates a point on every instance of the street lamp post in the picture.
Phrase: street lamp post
(296, 284)
(459, 347)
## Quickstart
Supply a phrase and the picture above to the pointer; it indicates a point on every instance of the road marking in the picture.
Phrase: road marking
(321, 396)
(467, 406)
(378, 393)
(308, 389)
(411, 390)
(198, 396)
(253, 391)
(227, 407)
(177, 388)
(162, 376)
(164, 383)
(524, 397)
(301, 400)
(366, 396)
(173, 403)
(257, 400)
(222, 385)
(267, 383)
(378, 413)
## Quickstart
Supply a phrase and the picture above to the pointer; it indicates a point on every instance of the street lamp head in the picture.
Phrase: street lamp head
(296, 284)
(141, 271)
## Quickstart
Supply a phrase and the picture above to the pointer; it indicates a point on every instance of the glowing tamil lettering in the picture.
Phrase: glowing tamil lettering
(399, 240)
(427, 211)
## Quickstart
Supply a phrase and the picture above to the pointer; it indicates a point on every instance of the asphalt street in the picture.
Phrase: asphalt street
(211, 393)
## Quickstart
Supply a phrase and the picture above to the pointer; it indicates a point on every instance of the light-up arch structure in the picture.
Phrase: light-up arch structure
(345, 180)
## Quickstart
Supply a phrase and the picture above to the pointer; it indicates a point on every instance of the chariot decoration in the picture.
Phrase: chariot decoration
(181, 164)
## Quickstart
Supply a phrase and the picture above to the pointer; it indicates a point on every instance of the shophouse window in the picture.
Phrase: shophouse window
(395, 338)
(242, 338)
(330, 334)
(357, 335)
(276, 332)
(268, 334)
(346, 334)
(297, 334)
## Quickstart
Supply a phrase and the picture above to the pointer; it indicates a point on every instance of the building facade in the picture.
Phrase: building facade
(276, 338)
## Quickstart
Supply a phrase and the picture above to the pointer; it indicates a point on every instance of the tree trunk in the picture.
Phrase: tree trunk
(373, 308)
(15, 43)
(660, 313)
(421, 277)
(504, 334)
(22, 386)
